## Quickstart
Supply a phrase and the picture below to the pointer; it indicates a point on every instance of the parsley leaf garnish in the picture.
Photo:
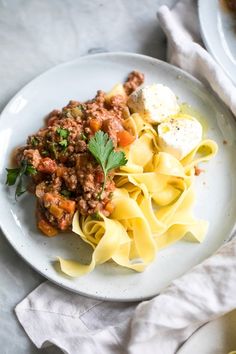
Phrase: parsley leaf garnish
(116, 159)
(16, 175)
(63, 133)
(102, 148)
(12, 174)
(20, 188)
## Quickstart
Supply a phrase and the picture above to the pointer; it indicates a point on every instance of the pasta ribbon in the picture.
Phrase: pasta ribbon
(115, 242)
(153, 204)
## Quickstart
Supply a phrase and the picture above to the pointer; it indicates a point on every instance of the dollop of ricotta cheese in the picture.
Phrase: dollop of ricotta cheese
(179, 135)
(154, 103)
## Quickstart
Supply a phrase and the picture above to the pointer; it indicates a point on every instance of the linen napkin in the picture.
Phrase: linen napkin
(76, 324)
(181, 26)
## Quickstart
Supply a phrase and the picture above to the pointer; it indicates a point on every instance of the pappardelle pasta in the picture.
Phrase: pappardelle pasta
(153, 202)
(119, 171)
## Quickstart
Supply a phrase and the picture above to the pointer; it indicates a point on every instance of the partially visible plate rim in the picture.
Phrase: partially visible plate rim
(104, 54)
(210, 47)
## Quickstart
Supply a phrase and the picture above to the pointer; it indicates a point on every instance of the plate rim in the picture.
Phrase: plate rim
(71, 62)
(210, 47)
(104, 54)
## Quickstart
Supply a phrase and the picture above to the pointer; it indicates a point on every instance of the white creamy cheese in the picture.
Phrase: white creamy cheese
(179, 136)
(154, 103)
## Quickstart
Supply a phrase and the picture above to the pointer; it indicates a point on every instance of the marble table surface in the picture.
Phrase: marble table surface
(36, 35)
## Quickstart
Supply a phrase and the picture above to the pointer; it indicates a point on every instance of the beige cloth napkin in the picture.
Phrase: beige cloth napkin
(51, 315)
(75, 324)
(185, 50)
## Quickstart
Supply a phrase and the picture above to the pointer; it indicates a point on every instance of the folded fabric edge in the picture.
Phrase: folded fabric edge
(202, 65)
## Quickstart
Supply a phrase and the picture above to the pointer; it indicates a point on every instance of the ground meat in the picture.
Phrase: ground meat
(41, 189)
(104, 115)
(74, 127)
(117, 103)
(32, 156)
(72, 104)
(47, 165)
(53, 207)
(112, 127)
(54, 113)
(56, 184)
(53, 117)
(95, 107)
(81, 146)
(89, 203)
(135, 79)
(68, 177)
(90, 179)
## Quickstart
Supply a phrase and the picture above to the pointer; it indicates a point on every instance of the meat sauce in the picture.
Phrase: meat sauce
(68, 178)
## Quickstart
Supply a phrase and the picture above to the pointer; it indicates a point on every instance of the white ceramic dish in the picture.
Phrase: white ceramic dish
(219, 35)
(216, 337)
(216, 188)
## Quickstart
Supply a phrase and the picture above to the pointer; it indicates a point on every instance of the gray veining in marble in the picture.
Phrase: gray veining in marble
(34, 36)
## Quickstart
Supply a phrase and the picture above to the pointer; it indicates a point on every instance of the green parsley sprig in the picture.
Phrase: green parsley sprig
(16, 175)
(102, 148)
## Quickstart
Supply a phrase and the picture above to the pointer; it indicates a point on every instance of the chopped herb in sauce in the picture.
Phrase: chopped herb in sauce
(83, 137)
(53, 149)
(65, 193)
(34, 141)
(63, 143)
(64, 133)
(45, 153)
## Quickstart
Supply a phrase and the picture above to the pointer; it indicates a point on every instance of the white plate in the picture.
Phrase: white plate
(216, 337)
(219, 34)
(216, 192)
